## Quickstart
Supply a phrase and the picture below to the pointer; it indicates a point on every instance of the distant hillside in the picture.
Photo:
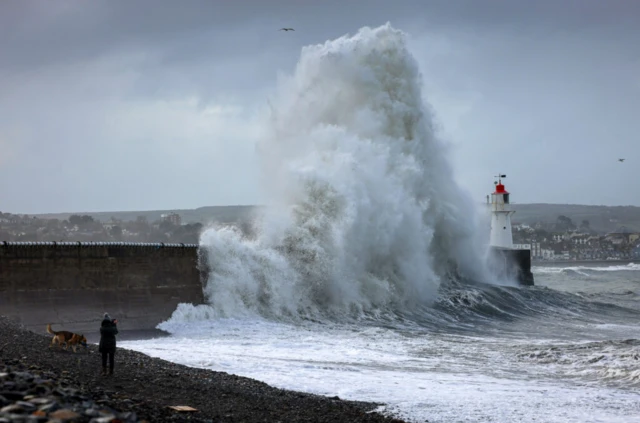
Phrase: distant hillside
(601, 218)
(221, 214)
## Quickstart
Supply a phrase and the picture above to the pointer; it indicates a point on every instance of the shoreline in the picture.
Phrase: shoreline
(93, 336)
(130, 335)
(147, 386)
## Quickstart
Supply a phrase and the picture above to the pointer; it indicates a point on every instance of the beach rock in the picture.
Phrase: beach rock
(64, 414)
(26, 405)
(40, 401)
(48, 408)
(105, 419)
(13, 408)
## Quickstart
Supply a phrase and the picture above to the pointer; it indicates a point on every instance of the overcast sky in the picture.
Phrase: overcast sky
(150, 104)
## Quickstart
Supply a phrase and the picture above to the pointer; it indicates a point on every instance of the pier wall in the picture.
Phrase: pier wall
(71, 285)
(512, 264)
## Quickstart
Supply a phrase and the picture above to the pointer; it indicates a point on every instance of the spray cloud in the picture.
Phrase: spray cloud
(364, 213)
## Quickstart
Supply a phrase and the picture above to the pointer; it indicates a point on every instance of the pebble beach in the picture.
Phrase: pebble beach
(39, 383)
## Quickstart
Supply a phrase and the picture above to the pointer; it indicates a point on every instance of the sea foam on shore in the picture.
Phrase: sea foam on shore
(143, 387)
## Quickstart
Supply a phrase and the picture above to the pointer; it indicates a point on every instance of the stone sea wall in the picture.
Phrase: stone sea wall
(70, 284)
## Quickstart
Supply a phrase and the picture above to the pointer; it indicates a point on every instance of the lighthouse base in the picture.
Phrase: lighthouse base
(511, 264)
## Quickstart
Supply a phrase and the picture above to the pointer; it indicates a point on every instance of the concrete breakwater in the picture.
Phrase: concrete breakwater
(72, 283)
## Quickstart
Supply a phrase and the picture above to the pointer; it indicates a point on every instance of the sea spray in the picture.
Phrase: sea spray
(363, 212)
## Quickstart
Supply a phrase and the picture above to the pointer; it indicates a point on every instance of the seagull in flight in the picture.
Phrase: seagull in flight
(286, 29)
(621, 160)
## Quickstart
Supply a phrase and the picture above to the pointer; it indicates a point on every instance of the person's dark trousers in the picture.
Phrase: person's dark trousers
(110, 353)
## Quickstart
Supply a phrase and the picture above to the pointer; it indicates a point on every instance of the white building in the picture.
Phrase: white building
(547, 254)
(174, 218)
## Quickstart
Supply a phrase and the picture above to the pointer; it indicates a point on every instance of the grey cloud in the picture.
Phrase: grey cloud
(551, 80)
(33, 34)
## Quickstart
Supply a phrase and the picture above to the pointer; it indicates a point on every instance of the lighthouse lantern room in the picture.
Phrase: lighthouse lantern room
(501, 236)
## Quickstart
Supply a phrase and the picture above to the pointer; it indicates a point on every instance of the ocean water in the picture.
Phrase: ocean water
(566, 350)
(358, 282)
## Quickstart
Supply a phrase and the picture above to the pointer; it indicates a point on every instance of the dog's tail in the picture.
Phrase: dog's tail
(49, 330)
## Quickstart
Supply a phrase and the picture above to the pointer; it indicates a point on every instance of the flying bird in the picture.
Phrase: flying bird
(621, 160)
(286, 29)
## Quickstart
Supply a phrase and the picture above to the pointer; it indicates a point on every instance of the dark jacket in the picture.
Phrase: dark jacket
(108, 332)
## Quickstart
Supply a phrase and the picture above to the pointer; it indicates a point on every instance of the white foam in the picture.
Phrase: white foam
(421, 376)
(610, 361)
(583, 269)
(364, 212)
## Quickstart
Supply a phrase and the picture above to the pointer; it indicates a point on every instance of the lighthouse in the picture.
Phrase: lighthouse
(505, 260)
(501, 235)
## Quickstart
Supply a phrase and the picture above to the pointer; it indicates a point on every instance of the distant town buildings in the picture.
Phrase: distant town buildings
(559, 241)
(174, 218)
(576, 244)
(84, 228)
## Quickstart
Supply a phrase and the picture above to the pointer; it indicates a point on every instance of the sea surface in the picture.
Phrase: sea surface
(352, 286)
(566, 350)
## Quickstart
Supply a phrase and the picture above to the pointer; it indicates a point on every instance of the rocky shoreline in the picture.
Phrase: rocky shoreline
(43, 384)
(31, 394)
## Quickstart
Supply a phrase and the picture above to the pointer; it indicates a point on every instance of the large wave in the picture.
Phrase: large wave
(363, 212)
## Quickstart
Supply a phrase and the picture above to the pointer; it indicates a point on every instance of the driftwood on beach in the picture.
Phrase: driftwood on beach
(143, 388)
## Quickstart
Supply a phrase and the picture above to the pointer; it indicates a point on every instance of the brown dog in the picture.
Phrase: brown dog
(67, 338)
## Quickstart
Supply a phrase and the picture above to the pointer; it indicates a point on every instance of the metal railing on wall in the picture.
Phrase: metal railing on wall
(94, 244)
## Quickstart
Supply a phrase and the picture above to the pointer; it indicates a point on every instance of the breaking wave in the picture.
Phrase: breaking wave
(586, 270)
(465, 302)
(614, 361)
(363, 212)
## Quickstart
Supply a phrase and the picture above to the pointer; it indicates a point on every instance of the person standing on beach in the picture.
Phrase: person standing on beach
(108, 332)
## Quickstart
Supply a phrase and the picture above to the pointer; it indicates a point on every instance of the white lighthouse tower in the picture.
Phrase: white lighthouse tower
(504, 259)
(501, 236)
